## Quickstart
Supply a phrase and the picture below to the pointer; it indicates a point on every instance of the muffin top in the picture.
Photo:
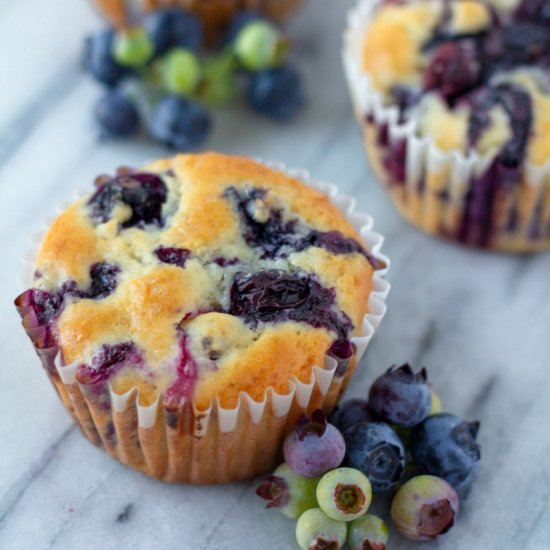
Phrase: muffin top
(474, 75)
(200, 276)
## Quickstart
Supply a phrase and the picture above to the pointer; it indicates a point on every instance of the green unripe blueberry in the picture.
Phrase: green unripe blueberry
(132, 47)
(219, 84)
(369, 531)
(437, 406)
(316, 531)
(257, 46)
(181, 72)
(424, 508)
(344, 494)
(290, 493)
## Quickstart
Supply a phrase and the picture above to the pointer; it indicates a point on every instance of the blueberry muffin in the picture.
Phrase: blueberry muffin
(454, 101)
(215, 14)
(199, 284)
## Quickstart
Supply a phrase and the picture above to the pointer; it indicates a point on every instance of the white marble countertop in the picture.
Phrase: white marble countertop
(479, 322)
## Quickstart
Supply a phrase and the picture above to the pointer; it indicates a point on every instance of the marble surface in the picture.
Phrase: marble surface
(479, 322)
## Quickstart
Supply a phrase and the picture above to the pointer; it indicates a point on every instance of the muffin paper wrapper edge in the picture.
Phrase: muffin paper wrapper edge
(215, 445)
(434, 193)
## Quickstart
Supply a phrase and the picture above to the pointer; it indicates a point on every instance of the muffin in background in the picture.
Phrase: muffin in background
(453, 99)
(189, 312)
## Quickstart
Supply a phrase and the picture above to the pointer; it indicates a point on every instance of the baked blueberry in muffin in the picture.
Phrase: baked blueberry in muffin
(197, 278)
(472, 77)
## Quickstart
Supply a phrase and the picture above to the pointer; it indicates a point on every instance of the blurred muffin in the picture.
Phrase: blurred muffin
(454, 102)
(203, 300)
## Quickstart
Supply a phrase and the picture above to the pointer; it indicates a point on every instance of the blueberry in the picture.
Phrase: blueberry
(445, 446)
(116, 115)
(534, 10)
(350, 413)
(369, 532)
(45, 305)
(179, 124)
(291, 494)
(181, 72)
(143, 192)
(257, 46)
(316, 531)
(264, 228)
(401, 397)
(98, 59)
(173, 27)
(454, 68)
(276, 296)
(107, 361)
(172, 255)
(314, 447)
(276, 93)
(344, 494)
(377, 451)
(103, 277)
(424, 508)
(333, 241)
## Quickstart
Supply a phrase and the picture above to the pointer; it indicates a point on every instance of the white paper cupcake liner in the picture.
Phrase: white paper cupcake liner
(217, 444)
(436, 190)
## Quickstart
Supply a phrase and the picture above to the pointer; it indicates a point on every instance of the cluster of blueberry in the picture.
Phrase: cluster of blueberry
(398, 439)
(159, 64)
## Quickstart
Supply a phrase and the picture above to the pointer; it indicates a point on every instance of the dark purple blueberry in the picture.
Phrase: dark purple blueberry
(333, 241)
(516, 44)
(275, 296)
(377, 451)
(314, 447)
(104, 280)
(277, 237)
(401, 397)
(107, 361)
(144, 193)
(405, 97)
(342, 351)
(445, 446)
(518, 105)
(534, 10)
(179, 124)
(349, 413)
(116, 115)
(395, 160)
(453, 69)
(225, 262)
(173, 27)
(171, 255)
(46, 305)
(187, 375)
(276, 93)
(272, 235)
(98, 59)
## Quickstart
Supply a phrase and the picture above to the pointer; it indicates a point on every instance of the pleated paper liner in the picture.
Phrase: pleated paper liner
(447, 194)
(216, 445)
(215, 14)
